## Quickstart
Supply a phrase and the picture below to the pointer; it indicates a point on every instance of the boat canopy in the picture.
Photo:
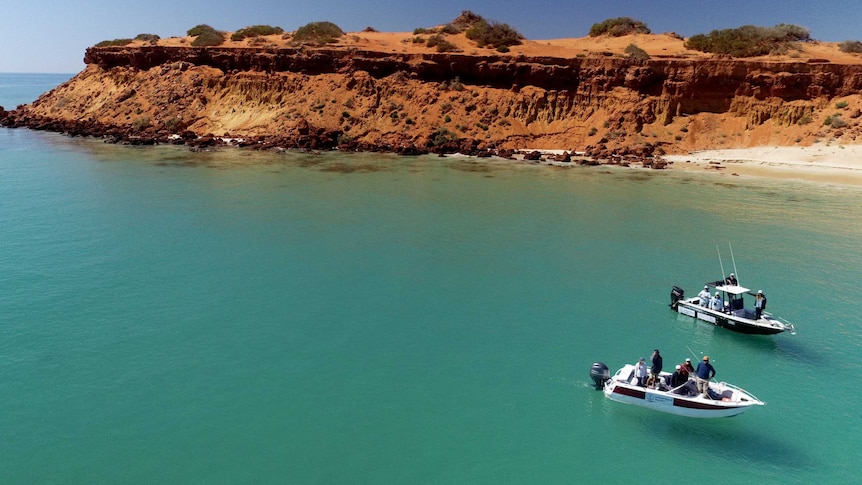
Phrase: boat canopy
(732, 289)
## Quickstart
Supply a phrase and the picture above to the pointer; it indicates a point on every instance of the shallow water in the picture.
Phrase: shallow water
(233, 316)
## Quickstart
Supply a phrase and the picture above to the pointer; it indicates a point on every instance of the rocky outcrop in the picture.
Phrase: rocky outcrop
(318, 98)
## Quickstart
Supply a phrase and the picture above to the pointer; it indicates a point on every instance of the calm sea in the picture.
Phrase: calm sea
(240, 317)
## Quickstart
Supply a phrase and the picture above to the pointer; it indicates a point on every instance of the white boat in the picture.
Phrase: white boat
(733, 314)
(724, 399)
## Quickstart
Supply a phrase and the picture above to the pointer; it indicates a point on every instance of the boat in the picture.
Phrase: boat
(733, 313)
(724, 399)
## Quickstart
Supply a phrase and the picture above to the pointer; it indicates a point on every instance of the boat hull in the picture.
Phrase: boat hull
(661, 401)
(726, 399)
(764, 326)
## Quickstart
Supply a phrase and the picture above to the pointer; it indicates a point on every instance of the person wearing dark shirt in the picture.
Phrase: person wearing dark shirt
(655, 369)
(759, 304)
(678, 378)
(731, 280)
(704, 373)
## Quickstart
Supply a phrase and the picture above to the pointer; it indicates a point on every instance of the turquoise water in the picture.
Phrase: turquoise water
(239, 317)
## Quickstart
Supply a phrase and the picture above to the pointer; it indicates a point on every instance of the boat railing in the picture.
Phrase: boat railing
(787, 324)
(743, 391)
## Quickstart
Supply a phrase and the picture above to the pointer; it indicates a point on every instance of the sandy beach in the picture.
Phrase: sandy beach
(822, 163)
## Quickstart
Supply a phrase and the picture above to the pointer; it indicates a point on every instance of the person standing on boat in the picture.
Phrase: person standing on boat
(716, 303)
(704, 296)
(656, 360)
(704, 373)
(731, 280)
(641, 372)
(759, 304)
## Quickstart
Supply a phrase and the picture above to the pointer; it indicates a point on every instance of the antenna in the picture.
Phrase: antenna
(734, 263)
(723, 278)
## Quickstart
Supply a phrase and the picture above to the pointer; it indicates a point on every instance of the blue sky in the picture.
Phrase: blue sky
(51, 35)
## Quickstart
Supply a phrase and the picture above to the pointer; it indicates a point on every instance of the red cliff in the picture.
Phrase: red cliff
(358, 97)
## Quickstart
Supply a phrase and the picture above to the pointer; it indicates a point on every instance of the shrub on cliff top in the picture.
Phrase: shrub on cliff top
(209, 39)
(319, 32)
(852, 46)
(199, 29)
(206, 36)
(749, 40)
(115, 42)
(619, 27)
(464, 21)
(441, 44)
(256, 31)
(493, 35)
(151, 38)
(636, 52)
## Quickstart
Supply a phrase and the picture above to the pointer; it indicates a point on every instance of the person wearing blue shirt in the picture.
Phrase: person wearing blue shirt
(704, 373)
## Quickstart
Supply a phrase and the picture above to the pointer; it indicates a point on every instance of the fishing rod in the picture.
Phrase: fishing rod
(696, 357)
(723, 277)
(736, 273)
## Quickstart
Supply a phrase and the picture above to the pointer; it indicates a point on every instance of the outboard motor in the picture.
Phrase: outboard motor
(676, 294)
(600, 374)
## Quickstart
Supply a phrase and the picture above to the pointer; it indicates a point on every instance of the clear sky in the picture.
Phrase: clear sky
(51, 35)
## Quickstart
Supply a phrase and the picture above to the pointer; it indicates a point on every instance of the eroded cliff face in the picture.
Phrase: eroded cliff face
(413, 103)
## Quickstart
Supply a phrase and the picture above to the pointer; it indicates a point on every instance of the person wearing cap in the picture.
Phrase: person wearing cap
(716, 303)
(679, 377)
(759, 304)
(687, 367)
(705, 372)
(704, 296)
(731, 280)
(641, 372)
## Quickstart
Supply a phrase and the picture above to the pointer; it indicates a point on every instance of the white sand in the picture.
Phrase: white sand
(822, 163)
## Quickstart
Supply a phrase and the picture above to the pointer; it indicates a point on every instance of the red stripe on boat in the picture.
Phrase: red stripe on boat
(625, 391)
(682, 403)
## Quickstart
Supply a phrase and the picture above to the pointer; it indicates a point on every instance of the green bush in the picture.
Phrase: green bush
(449, 29)
(852, 46)
(151, 38)
(205, 36)
(199, 29)
(209, 39)
(256, 31)
(493, 35)
(838, 121)
(749, 40)
(463, 22)
(443, 136)
(441, 44)
(841, 104)
(619, 27)
(636, 52)
(318, 32)
(114, 43)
